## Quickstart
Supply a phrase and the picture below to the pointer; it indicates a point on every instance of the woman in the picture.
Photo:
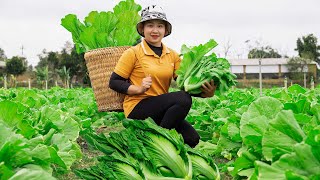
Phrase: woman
(144, 72)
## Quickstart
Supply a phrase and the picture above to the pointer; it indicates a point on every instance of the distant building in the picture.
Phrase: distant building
(270, 67)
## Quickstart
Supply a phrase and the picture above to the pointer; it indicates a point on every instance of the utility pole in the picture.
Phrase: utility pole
(24, 62)
(22, 48)
(260, 77)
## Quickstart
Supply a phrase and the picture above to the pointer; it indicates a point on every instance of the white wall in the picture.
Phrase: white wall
(255, 69)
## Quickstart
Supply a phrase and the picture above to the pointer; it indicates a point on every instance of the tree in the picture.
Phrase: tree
(15, 65)
(68, 46)
(82, 72)
(226, 48)
(43, 57)
(50, 59)
(3, 57)
(307, 47)
(30, 68)
(263, 52)
(53, 64)
(67, 58)
(74, 62)
(64, 75)
(260, 50)
(42, 74)
(53, 60)
(297, 66)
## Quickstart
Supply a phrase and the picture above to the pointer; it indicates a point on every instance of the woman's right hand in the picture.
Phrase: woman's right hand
(146, 83)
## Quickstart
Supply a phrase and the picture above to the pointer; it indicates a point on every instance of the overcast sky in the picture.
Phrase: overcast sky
(35, 24)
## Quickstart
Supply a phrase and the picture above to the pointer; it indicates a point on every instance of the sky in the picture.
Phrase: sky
(35, 24)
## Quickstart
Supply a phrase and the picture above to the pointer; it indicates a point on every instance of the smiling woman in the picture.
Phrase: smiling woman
(154, 31)
(144, 73)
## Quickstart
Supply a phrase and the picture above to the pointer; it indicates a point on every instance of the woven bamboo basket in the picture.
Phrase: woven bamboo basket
(100, 64)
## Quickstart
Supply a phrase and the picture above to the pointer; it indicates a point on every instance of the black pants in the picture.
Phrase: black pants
(169, 111)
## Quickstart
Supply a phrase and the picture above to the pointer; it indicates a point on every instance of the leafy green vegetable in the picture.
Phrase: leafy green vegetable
(196, 69)
(160, 154)
(203, 166)
(255, 121)
(35, 134)
(31, 171)
(276, 136)
(300, 164)
(113, 166)
(105, 29)
(283, 133)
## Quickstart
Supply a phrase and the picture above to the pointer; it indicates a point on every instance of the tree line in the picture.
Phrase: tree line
(53, 66)
(307, 48)
(66, 64)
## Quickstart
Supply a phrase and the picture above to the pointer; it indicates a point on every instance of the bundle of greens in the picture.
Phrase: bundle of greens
(196, 69)
(146, 151)
(203, 167)
(105, 29)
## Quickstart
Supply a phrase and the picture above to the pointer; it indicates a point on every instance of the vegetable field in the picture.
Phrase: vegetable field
(58, 134)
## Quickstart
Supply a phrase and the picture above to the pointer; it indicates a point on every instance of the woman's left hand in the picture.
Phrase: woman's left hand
(208, 89)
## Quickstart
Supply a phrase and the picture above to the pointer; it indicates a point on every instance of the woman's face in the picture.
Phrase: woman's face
(154, 31)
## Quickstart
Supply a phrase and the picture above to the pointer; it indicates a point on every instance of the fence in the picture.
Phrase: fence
(269, 83)
(38, 84)
(242, 83)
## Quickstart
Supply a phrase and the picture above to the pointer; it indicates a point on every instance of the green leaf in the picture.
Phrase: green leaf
(56, 159)
(253, 130)
(313, 140)
(103, 22)
(6, 133)
(263, 106)
(244, 162)
(73, 25)
(89, 38)
(105, 29)
(70, 129)
(11, 113)
(296, 89)
(31, 171)
(267, 172)
(315, 109)
(68, 151)
(128, 5)
(123, 167)
(301, 106)
(31, 98)
(203, 166)
(281, 136)
(5, 172)
(300, 163)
